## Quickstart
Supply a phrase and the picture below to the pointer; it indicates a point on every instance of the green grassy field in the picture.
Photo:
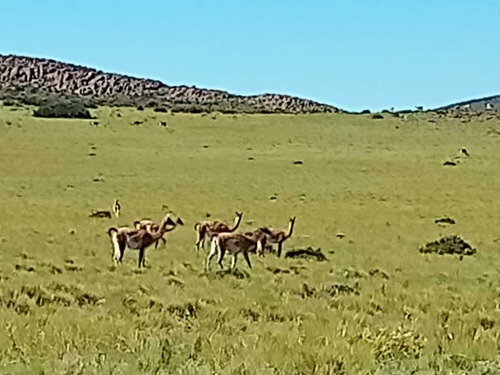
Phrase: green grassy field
(375, 306)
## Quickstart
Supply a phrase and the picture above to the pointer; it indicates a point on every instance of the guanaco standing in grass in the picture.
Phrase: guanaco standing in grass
(209, 228)
(136, 239)
(281, 235)
(236, 243)
(153, 226)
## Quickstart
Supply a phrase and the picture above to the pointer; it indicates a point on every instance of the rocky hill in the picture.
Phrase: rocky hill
(26, 74)
(491, 103)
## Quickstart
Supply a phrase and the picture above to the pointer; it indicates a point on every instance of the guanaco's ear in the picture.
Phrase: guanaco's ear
(179, 221)
(169, 221)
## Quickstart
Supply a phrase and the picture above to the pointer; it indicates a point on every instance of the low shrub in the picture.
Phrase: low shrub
(62, 109)
(9, 103)
(160, 109)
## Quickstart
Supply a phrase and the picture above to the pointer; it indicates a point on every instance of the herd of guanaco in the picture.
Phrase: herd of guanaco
(223, 238)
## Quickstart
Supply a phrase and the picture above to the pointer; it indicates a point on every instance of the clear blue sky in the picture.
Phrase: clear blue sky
(355, 54)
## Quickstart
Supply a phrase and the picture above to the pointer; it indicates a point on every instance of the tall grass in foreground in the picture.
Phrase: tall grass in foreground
(376, 305)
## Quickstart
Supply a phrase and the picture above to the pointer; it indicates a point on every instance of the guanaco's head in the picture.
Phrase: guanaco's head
(167, 221)
(137, 224)
(239, 214)
(292, 220)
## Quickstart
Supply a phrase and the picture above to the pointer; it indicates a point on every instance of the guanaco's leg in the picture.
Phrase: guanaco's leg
(141, 257)
(279, 248)
(122, 251)
(213, 252)
(222, 252)
(245, 255)
(162, 240)
(233, 264)
(200, 237)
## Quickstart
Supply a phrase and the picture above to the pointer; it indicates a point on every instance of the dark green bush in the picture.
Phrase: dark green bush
(62, 109)
(31, 99)
(90, 104)
(195, 109)
(9, 103)
(160, 109)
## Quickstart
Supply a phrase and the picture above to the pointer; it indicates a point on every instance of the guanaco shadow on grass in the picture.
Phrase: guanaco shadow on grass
(328, 290)
(236, 273)
(308, 253)
(292, 270)
(223, 273)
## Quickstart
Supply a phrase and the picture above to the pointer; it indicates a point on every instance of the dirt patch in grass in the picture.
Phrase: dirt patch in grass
(445, 220)
(448, 245)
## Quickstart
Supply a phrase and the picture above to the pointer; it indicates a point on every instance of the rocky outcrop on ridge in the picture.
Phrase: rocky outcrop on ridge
(73, 80)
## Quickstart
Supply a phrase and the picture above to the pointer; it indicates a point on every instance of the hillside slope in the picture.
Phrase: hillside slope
(33, 74)
(477, 105)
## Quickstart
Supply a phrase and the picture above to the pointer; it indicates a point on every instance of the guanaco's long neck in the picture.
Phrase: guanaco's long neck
(170, 229)
(160, 232)
(236, 223)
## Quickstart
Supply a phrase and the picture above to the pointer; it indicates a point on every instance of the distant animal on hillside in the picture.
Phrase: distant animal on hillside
(116, 207)
(209, 228)
(163, 124)
(463, 152)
